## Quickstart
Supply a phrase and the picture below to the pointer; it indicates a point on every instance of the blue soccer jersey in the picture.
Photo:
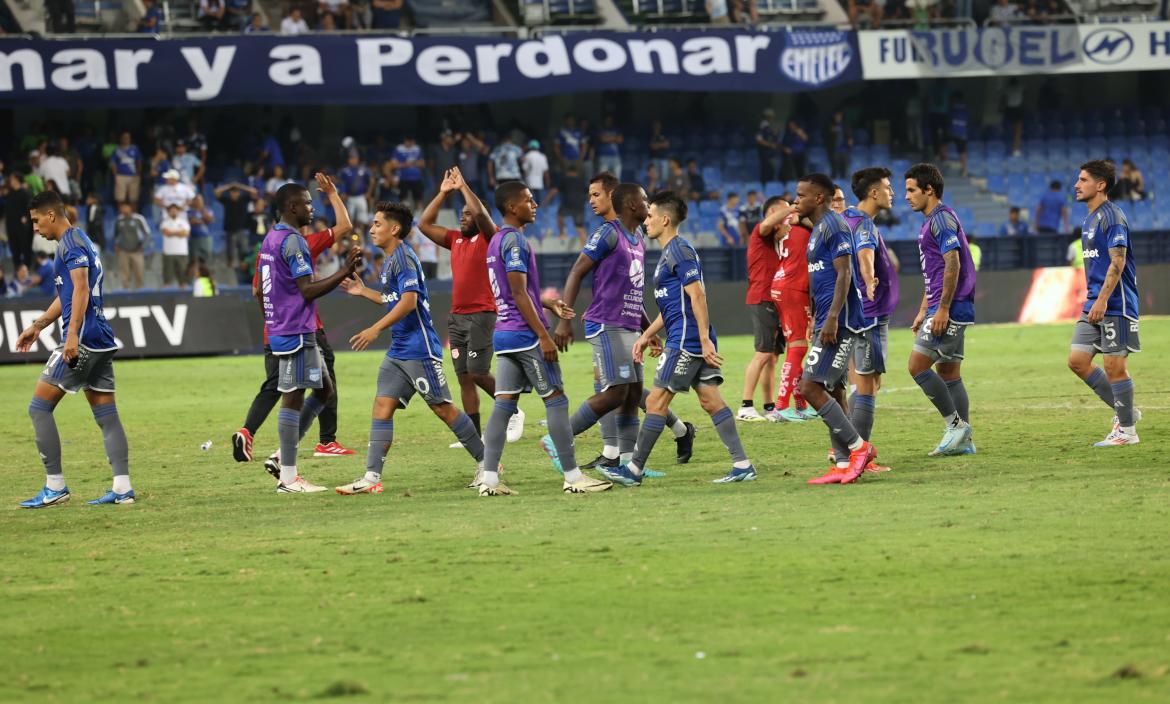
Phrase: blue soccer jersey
(864, 236)
(831, 238)
(414, 336)
(76, 251)
(1102, 230)
(678, 267)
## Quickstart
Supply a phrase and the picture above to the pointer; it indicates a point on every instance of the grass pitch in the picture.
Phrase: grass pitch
(1034, 571)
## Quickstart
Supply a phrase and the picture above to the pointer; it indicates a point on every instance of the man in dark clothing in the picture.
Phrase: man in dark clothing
(20, 231)
(237, 222)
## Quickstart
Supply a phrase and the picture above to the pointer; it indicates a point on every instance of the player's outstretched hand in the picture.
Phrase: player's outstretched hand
(548, 348)
(710, 355)
(353, 285)
(325, 184)
(27, 338)
(363, 339)
(563, 310)
(353, 260)
(829, 332)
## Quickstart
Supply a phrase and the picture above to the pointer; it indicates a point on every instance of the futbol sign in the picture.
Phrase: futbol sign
(123, 72)
(1016, 49)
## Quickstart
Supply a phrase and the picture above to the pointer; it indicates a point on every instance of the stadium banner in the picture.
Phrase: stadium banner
(1015, 49)
(145, 325)
(390, 69)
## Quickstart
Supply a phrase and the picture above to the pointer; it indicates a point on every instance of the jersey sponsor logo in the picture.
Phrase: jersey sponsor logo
(390, 297)
(815, 267)
(661, 293)
(1091, 253)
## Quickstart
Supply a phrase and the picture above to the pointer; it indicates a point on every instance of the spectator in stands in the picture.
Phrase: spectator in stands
(9, 289)
(240, 16)
(659, 147)
(1004, 12)
(326, 23)
(126, 165)
(22, 281)
(766, 146)
(62, 16)
(386, 188)
(176, 234)
(570, 144)
(745, 11)
(356, 183)
(73, 161)
(574, 192)
(32, 179)
(17, 222)
(339, 10)
(1052, 211)
(677, 180)
(471, 151)
(589, 150)
(427, 251)
(408, 161)
(535, 166)
(718, 12)
(750, 213)
(237, 204)
(976, 251)
(200, 217)
(160, 163)
(728, 223)
(698, 190)
(41, 279)
(258, 222)
(386, 14)
(1075, 254)
(652, 179)
(271, 153)
(294, 23)
(256, 25)
(94, 219)
(151, 20)
(53, 167)
(873, 9)
(275, 181)
(197, 145)
(1013, 111)
(202, 283)
(504, 162)
(840, 143)
(444, 157)
(175, 193)
(130, 235)
(795, 149)
(1131, 184)
(189, 166)
(609, 144)
(212, 15)
(1014, 227)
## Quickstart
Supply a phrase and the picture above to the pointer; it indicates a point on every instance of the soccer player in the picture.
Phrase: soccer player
(601, 199)
(84, 361)
(526, 356)
(762, 261)
(872, 261)
(414, 362)
(473, 307)
(288, 293)
(267, 396)
(838, 319)
(793, 307)
(1109, 321)
(691, 358)
(948, 307)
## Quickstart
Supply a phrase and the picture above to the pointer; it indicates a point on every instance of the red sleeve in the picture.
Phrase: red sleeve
(451, 236)
(256, 274)
(319, 242)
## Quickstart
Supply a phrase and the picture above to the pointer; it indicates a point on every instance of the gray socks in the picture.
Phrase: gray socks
(1099, 383)
(839, 425)
(936, 390)
(381, 437)
(288, 427)
(652, 426)
(494, 436)
(464, 430)
(627, 433)
(725, 425)
(114, 437)
(48, 440)
(959, 397)
(585, 418)
(309, 412)
(671, 418)
(861, 410)
(609, 426)
(556, 409)
(1123, 402)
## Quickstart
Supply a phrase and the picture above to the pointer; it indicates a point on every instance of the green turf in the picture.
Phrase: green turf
(1034, 571)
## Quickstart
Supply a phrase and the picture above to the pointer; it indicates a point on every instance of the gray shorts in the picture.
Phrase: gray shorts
(870, 348)
(301, 369)
(93, 371)
(613, 357)
(470, 335)
(947, 347)
(527, 370)
(766, 327)
(679, 371)
(828, 365)
(1114, 336)
(401, 379)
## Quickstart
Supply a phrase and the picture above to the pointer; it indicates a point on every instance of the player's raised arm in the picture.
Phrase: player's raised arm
(344, 225)
(479, 212)
(426, 223)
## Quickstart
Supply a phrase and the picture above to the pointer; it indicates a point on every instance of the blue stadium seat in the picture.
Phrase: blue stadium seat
(713, 176)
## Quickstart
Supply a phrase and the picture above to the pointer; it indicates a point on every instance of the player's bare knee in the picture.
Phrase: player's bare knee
(1115, 368)
(446, 412)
